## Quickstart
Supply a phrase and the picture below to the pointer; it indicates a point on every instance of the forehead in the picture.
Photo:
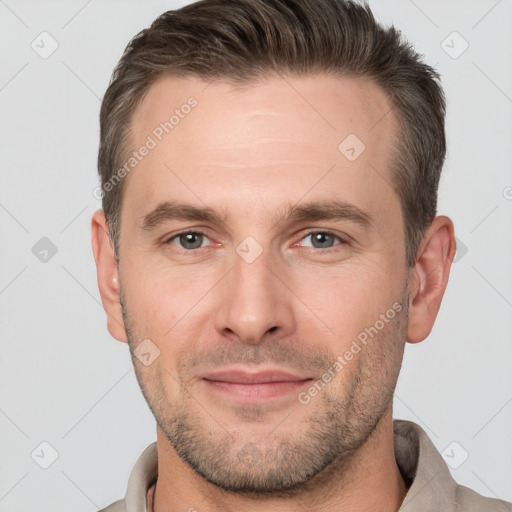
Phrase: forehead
(331, 103)
(281, 134)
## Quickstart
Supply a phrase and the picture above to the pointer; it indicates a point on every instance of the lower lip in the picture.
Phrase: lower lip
(256, 392)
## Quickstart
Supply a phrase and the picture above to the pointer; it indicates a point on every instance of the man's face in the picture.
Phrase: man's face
(260, 290)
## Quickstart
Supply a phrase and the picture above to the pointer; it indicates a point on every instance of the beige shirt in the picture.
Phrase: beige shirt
(432, 488)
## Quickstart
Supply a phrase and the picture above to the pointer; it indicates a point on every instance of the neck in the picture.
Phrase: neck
(370, 481)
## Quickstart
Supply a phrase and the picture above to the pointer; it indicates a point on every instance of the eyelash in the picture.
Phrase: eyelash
(309, 233)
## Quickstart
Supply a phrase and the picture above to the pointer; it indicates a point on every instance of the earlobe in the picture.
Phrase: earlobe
(429, 277)
(107, 275)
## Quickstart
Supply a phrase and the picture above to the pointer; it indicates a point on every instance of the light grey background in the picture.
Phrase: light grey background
(65, 381)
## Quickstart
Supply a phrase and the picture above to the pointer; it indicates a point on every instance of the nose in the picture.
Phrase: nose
(255, 300)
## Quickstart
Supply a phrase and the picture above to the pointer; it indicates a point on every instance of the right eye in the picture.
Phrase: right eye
(188, 240)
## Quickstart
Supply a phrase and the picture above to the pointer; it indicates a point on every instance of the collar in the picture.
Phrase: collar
(433, 487)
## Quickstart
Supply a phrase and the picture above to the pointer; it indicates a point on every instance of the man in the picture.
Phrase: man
(296, 145)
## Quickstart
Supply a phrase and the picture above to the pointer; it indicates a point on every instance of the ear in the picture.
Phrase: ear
(108, 277)
(429, 276)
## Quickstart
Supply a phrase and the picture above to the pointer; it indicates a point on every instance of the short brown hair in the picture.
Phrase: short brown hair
(242, 41)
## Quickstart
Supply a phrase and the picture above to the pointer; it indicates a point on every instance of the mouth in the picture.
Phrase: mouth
(254, 386)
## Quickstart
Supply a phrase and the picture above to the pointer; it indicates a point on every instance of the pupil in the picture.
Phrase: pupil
(319, 236)
(187, 238)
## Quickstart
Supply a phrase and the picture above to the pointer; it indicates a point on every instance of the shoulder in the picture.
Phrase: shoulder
(117, 506)
(470, 501)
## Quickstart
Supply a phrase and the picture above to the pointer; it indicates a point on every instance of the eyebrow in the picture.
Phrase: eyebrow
(313, 211)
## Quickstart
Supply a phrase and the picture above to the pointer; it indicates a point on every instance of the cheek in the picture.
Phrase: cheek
(160, 294)
(348, 299)
(163, 304)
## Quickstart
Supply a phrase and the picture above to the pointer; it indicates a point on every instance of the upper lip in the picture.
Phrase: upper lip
(248, 377)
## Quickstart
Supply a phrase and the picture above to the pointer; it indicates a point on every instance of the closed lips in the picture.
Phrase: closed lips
(265, 377)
